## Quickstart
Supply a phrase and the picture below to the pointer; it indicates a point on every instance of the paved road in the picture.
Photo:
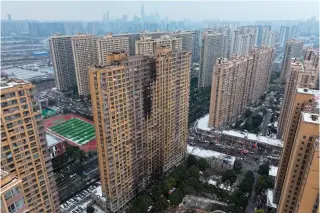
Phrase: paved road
(252, 204)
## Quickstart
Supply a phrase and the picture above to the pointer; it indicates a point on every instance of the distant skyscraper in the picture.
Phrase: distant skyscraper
(214, 46)
(141, 120)
(299, 75)
(293, 50)
(24, 150)
(284, 35)
(9, 17)
(293, 32)
(148, 46)
(297, 181)
(236, 83)
(107, 15)
(142, 13)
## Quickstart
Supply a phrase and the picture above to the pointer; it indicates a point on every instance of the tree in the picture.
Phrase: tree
(264, 169)
(229, 176)
(256, 120)
(246, 185)
(90, 209)
(248, 125)
(262, 183)
(259, 211)
(165, 186)
(248, 113)
(51, 102)
(141, 204)
(156, 191)
(263, 97)
(203, 164)
(161, 204)
(237, 166)
(176, 197)
(192, 161)
(171, 181)
(194, 172)
(65, 110)
(134, 209)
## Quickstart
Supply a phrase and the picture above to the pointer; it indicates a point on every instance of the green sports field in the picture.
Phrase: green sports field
(75, 130)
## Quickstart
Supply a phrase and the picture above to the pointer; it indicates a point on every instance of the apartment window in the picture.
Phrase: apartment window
(12, 192)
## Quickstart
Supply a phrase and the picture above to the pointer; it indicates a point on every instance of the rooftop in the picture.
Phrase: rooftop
(8, 83)
(202, 124)
(98, 193)
(209, 154)
(273, 171)
(25, 74)
(311, 117)
(270, 199)
(52, 140)
(75, 130)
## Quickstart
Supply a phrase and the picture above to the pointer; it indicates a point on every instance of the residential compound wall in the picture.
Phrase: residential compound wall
(140, 108)
(24, 149)
(238, 82)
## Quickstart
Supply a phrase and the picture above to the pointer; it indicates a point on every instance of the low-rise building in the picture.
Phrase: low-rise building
(99, 199)
(237, 137)
(215, 159)
(57, 146)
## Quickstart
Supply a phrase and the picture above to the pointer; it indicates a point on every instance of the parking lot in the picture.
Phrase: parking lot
(79, 202)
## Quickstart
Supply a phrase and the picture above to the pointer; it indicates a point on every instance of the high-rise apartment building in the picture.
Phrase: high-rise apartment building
(297, 182)
(63, 62)
(214, 46)
(109, 44)
(311, 56)
(148, 46)
(133, 37)
(140, 108)
(190, 42)
(284, 35)
(12, 196)
(293, 50)
(85, 54)
(300, 74)
(72, 55)
(293, 32)
(24, 150)
(238, 82)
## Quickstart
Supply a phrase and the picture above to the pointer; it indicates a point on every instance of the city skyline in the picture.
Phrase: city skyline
(210, 10)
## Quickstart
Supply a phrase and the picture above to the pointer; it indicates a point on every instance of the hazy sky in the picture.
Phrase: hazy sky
(195, 10)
